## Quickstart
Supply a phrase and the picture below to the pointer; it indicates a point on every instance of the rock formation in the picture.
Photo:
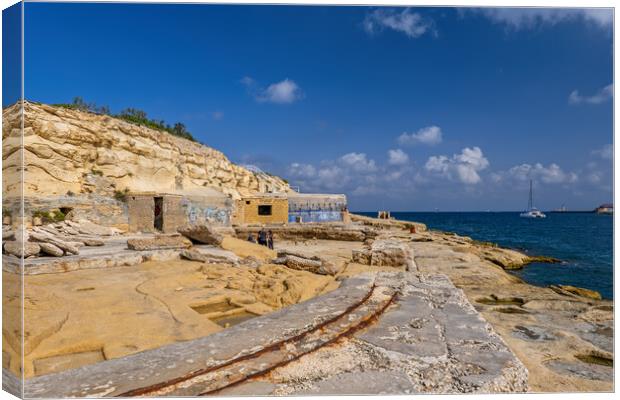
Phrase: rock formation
(385, 252)
(59, 239)
(160, 242)
(74, 152)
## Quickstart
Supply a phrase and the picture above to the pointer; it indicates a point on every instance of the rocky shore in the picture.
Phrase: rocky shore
(563, 335)
(200, 281)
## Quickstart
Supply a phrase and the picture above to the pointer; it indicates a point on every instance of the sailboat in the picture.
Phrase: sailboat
(532, 212)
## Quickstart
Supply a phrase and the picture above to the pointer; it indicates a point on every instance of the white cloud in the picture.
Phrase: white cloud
(430, 135)
(599, 97)
(439, 164)
(518, 18)
(358, 162)
(344, 173)
(606, 152)
(524, 172)
(302, 170)
(407, 22)
(283, 92)
(466, 173)
(464, 166)
(397, 157)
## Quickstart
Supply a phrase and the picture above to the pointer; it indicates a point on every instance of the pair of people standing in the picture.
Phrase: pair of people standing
(265, 238)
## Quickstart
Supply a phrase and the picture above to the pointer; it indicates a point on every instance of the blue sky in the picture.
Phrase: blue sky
(399, 108)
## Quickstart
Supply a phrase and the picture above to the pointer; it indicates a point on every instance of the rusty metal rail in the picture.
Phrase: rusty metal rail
(208, 381)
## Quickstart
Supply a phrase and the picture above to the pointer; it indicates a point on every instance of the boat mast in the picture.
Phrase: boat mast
(530, 204)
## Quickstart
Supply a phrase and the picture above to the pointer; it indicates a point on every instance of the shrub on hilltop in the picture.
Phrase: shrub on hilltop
(132, 115)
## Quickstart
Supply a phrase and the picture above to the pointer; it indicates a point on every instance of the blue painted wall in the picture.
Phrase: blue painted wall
(315, 216)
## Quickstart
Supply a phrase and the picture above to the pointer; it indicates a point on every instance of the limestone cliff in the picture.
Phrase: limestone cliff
(69, 151)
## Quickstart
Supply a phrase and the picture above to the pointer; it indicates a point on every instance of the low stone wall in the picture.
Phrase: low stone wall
(327, 231)
(101, 210)
(114, 258)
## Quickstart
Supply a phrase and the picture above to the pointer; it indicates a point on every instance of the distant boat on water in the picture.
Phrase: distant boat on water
(532, 212)
(605, 209)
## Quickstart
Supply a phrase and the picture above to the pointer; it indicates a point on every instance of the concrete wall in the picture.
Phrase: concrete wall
(316, 207)
(314, 216)
(177, 211)
(247, 210)
(207, 210)
(140, 209)
(174, 215)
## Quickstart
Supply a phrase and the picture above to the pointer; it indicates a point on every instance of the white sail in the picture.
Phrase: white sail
(532, 212)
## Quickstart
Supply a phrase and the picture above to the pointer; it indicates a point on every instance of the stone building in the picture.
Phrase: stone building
(292, 207)
(262, 209)
(315, 207)
(154, 212)
(166, 212)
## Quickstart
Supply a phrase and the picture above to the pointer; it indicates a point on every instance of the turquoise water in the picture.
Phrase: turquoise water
(583, 241)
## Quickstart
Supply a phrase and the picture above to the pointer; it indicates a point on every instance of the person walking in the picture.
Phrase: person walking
(270, 239)
(262, 237)
(251, 238)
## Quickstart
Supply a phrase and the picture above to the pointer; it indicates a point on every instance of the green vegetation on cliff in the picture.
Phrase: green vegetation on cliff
(132, 115)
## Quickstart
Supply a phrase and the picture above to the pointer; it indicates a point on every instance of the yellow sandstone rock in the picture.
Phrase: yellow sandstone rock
(82, 317)
(587, 293)
(80, 152)
(243, 248)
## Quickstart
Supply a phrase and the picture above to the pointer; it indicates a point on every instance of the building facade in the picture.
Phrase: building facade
(262, 209)
(164, 212)
(312, 207)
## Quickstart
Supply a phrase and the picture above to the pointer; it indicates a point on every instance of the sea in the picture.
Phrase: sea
(583, 241)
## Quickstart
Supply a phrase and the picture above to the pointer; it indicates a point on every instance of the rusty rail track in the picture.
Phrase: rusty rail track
(210, 380)
(367, 321)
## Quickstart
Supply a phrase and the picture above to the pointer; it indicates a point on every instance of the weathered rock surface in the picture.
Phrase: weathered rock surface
(67, 237)
(547, 330)
(315, 264)
(164, 302)
(159, 243)
(445, 348)
(69, 247)
(385, 253)
(213, 256)
(388, 223)
(202, 234)
(51, 249)
(245, 249)
(327, 231)
(572, 290)
(507, 259)
(80, 152)
(21, 249)
(88, 228)
(90, 241)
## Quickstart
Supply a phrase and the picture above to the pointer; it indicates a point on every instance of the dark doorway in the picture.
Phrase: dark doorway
(158, 213)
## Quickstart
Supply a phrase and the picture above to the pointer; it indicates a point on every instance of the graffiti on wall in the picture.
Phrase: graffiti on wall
(197, 214)
(217, 215)
(314, 216)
